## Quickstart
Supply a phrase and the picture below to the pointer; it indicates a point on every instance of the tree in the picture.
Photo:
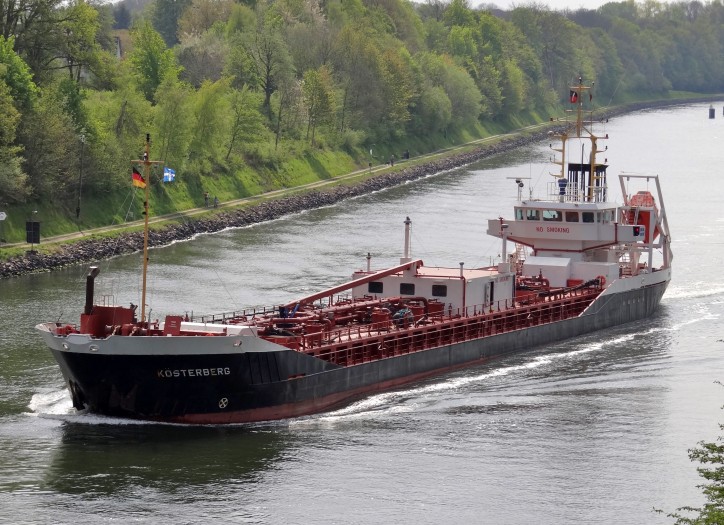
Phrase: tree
(150, 58)
(173, 121)
(78, 49)
(16, 74)
(71, 99)
(287, 95)
(554, 40)
(270, 54)
(513, 86)
(119, 119)
(398, 88)
(458, 13)
(355, 61)
(209, 128)
(34, 24)
(13, 182)
(241, 19)
(490, 86)
(461, 92)
(461, 43)
(318, 92)
(640, 55)
(201, 16)
(50, 157)
(711, 458)
(121, 16)
(310, 45)
(433, 112)
(165, 15)
(240, 65)
(202, 58)
(247, 124)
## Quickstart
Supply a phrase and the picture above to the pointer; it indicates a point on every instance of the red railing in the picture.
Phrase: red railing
(361, 343)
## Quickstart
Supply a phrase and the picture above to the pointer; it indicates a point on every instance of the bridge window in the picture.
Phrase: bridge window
(407, 288)
(552, 215)
(375, 287)
(519, 214)
(571, 216)
(532, 215)
(439, 290)
(588, 216)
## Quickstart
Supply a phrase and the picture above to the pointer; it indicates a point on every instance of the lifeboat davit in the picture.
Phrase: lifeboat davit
(642, 216)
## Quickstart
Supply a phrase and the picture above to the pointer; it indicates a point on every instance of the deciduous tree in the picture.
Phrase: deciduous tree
(16, 75)
(210, 125)
(201, 15)
(270, 54)
(247, 124)
(13, 181)
(78, 49)
(151, 59)
(165, 15)
(173, 121)
(318, 90)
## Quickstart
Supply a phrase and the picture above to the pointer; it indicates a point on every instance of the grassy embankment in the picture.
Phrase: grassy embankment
(109, 215)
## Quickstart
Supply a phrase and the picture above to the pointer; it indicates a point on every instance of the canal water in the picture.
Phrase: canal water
(591, 430)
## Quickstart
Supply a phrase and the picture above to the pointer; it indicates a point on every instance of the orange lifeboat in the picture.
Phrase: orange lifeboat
(643, 199)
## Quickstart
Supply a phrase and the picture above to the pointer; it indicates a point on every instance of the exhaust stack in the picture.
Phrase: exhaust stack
(94, 271)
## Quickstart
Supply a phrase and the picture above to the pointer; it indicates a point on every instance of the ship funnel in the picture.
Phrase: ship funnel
(94, 271)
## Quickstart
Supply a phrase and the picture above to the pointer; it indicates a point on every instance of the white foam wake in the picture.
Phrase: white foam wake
(51, 403)
(57, 404)
(390, 402)
(694, 290)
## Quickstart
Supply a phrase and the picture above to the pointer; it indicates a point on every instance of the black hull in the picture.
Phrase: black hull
(246, 387)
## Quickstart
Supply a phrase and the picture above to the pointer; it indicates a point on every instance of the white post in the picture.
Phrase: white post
(406, 256)
(504, 265)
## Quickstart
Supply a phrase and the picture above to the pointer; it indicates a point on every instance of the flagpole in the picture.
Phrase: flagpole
(146, 162)
(147, 177)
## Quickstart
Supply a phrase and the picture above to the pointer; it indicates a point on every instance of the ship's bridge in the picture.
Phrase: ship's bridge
(553, 227)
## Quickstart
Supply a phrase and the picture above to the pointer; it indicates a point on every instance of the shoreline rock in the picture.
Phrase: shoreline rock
(91, 250)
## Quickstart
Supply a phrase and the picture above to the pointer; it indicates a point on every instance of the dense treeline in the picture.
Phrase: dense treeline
(239, 89)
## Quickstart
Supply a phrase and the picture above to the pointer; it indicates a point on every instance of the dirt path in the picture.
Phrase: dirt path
(256, 199)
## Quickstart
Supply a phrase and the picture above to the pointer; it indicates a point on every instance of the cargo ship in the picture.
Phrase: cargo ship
(572, 262)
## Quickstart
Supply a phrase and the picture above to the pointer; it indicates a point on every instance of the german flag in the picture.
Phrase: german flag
(138, 179)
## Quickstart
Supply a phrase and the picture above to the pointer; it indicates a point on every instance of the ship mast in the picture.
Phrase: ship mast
(592, 187)
(146, 163)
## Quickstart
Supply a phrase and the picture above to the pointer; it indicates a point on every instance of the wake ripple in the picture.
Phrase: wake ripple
(391, 402)
(695, 291)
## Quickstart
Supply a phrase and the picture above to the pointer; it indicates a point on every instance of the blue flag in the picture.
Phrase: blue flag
(169, 175)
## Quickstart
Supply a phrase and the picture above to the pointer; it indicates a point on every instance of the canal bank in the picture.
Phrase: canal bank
(102, 243)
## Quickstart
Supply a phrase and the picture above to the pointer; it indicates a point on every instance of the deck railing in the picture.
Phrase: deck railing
(360, 343)
(257, 311)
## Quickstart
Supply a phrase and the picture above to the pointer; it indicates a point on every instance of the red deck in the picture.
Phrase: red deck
(360, 341)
